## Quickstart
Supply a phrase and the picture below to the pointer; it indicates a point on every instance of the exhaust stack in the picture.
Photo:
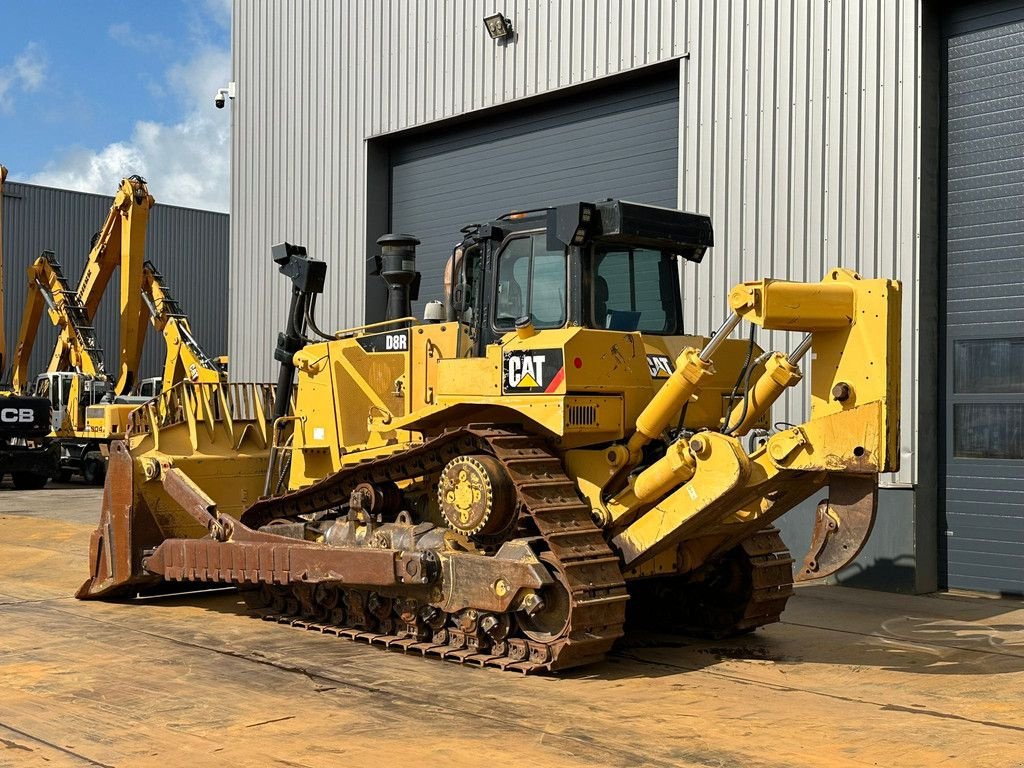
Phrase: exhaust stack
(397, 267)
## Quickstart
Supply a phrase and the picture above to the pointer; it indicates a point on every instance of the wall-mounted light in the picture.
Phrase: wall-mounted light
(498, 27)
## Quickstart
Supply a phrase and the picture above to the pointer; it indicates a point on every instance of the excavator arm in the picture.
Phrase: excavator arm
(48, 291)
(185, 358)
(119, 243)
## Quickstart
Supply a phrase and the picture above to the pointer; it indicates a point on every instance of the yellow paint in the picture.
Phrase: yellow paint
(359, 398)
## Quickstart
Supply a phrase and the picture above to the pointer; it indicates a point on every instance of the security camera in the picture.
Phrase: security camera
(221, 98)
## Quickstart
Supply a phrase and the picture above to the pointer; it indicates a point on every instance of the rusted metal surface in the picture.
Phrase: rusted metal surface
(122, 533)
(538, 617)
(587, 604)
(594, 607)
(842, 525)
(258, 562)
(190, 498)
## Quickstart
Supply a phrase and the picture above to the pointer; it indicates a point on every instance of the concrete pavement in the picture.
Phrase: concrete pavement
(850, 678)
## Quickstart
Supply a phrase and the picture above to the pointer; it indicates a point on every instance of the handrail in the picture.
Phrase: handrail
(349, 332)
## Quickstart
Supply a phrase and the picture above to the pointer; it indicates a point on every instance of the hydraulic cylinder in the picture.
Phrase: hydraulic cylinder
(780, 373)
(692, 367)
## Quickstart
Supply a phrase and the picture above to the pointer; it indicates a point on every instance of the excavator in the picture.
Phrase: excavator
(496, 485)
(185, 359)
(25, 453)
(89, 403)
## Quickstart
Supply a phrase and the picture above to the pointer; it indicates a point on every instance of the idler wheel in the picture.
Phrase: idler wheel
(476, 495)
(548, 619)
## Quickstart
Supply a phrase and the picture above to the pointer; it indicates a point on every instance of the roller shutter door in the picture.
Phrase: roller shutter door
(984, 386)
(615, 142)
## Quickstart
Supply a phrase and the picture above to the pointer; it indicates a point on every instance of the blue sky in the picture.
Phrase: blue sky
(91, 91)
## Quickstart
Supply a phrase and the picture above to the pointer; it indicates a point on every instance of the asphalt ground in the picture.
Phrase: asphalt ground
(849, 678)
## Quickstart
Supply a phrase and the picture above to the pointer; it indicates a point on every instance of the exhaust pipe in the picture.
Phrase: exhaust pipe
(397, 267)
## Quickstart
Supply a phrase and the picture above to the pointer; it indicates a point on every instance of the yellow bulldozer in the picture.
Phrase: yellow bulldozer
(497, 484)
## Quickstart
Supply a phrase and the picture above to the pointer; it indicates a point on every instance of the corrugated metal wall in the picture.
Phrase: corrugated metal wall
(799, 132)
(190, 248)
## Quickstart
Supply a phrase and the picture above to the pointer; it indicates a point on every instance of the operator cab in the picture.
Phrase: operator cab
(57, 388)
(607, 266)
(150, 388)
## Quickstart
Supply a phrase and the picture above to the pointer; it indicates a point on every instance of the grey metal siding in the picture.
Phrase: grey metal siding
(620, 141)
(984, 403)
(799, 133)
(190, 247)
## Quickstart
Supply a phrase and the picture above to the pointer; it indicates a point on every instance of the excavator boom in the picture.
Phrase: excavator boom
(119, 243)
(48, 291)
(185, 359)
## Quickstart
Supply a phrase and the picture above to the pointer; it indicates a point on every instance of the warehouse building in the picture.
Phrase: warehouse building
(885, 137)
(189, 247)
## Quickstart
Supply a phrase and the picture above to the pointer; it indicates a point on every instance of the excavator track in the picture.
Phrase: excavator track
(551, 515)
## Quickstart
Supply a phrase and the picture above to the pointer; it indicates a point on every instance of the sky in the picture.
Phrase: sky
(94, 91)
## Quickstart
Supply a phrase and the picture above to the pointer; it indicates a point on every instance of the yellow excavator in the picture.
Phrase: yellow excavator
(495, 486)
(185, 359)
(25, 453)
(89, 403)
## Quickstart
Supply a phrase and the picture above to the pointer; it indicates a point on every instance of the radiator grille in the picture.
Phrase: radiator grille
(582, 415)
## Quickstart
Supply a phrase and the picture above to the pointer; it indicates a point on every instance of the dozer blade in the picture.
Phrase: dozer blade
(843, 523)
(116, 544)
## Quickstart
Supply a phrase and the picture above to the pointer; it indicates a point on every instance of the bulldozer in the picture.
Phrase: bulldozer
(497, 484)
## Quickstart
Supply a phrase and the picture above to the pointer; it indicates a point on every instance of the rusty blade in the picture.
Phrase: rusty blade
(843, 523)
(123, 532)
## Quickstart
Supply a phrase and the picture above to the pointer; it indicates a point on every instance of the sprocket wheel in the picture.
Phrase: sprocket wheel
(476, 496)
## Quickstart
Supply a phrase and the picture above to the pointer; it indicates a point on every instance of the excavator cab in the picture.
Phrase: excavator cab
(57, 387)
(606, 266)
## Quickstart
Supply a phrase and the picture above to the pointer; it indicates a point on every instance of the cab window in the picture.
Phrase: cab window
(43, 390)
(531, 281)
(634, 289)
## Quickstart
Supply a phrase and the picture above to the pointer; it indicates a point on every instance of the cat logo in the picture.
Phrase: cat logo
(660, 366)
(536, 370)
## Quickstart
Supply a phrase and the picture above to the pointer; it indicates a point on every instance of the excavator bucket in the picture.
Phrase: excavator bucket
(842, 525)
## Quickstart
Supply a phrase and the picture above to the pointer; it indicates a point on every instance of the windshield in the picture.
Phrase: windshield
(634, 289)
(531, 281)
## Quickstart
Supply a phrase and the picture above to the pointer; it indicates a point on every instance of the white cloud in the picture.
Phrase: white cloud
(185, 162)
(26, 73)
(125, 34)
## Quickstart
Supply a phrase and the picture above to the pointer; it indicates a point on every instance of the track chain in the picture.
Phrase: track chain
(771, 578)
(572, 546)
